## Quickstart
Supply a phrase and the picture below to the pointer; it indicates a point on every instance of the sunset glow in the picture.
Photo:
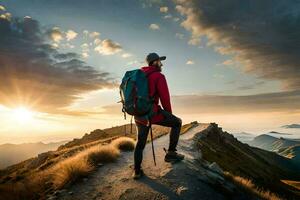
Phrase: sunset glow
(22, 114)
(60, 74)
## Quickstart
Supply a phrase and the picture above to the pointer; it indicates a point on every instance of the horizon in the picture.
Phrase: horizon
(60, 72)
(287, 133)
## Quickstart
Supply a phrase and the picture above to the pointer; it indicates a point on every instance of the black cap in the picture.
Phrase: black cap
(154, 56)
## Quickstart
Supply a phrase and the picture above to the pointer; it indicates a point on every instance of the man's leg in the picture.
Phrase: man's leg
(175, 123)
(142, 134)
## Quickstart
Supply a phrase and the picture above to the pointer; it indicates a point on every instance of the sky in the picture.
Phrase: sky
(232, 62)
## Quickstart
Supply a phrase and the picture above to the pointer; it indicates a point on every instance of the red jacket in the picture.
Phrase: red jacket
(158, 86)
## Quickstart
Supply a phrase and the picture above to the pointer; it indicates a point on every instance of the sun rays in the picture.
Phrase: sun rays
(22, 114)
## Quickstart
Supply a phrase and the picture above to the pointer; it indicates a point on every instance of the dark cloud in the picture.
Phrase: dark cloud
(34, 74)
(269, 102)
(66, 56)
(263, 36)
(242, 86)
(200, 104)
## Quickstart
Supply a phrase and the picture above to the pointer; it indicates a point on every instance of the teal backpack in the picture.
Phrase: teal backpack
(134, 92)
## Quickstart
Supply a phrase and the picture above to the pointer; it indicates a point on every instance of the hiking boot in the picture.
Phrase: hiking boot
(173, 156)
(137, 174)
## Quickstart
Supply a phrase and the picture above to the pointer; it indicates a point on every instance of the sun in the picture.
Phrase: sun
(22, 114)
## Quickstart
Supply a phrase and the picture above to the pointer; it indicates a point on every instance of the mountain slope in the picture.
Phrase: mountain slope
(271, 143)
(46, 160)
(205, 147)
(291, 126)
(188, 180)
(292, 152)
(266, 169)
(13, 153)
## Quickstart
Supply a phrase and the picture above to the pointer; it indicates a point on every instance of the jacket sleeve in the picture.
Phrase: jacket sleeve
(163, 92)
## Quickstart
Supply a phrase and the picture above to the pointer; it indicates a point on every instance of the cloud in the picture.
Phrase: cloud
(163, 9)
(70, 35)
(250, 86)
(179, 35)
(108, 47)
(228, 62)
(55, 34)
(283, 102)
(267, 102)
(94, 34)
(6, 16)
(2, 8)
(168, 16)
(190, 62)
(261, 35)
(68, 45)
(34, 74)
(126, 55)
(150, 3)
(85, 33)
(219, 76)
(176, 19)
(85, 54)
(154, 27)
(133, 62)
(85, 47)
(97, 41)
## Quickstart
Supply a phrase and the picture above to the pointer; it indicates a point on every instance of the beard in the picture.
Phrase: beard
(158, 66)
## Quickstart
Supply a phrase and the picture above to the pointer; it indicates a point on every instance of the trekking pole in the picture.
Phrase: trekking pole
(125, 128)
(152, 143)
(131, 125)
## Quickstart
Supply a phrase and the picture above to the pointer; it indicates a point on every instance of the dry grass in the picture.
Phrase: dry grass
(248, 186)
(295, 184)
(102, 154)
(124, 143)
(61, 174)
(70, 170)
(80, 165)
(33, 187)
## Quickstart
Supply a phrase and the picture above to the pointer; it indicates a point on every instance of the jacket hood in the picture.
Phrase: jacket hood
(148, 69)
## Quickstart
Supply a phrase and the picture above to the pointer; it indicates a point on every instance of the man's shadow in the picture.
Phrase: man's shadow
(158, 187)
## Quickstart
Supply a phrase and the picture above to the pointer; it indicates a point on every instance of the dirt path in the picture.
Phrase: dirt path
(188, 179)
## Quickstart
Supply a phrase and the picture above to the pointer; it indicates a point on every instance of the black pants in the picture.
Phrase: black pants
(169, 120)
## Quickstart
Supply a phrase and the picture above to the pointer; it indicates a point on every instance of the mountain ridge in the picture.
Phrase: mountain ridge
(217, 166)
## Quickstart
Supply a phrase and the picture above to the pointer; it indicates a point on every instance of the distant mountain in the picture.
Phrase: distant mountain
(272, 143)
(13, 153)
(244, 137)
(266, 169)
(278, 133)
(291, 126)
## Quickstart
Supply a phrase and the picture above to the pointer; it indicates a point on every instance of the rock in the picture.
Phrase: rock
(62, 191)
(181, 189)
(214, 177)
(70, 193)
(216, 168)
(194, 123)
(41, 158)
(51, 198)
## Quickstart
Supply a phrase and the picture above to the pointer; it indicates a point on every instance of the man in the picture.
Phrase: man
(159, 89)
